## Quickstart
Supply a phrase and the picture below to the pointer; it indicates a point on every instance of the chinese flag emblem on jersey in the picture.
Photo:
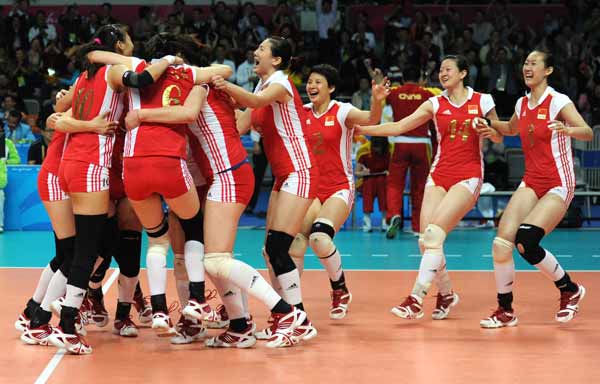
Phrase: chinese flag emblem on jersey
(329, 121)
(542, 113)
(473, 110)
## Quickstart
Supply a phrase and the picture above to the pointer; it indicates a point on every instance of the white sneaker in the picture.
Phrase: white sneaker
(367, 224)
(283, 328)
(569, 305)
(231, 339)
(162, 324)
(188, 331)
(125, 328)
(443, 305)
(72, 343)
(22, 323)
(499, 319)
(411, 308)
(198, 311)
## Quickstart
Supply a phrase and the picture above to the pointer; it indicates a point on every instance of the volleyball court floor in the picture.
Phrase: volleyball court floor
(370, 345)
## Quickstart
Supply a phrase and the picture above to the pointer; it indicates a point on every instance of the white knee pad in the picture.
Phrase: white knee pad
(433, 238)
(320, 239)
(421, 242)
(299, 246)
(218, 265)
(179, 268)
(502, 251)
(158, 246)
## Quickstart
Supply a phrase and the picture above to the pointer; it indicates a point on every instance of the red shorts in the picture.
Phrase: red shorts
(302, 183)
(542, 189)
(232, 186)
(340, 191)
(145, 176)
(49, 186)
(78, 176)
(117, 189)
(473, 184)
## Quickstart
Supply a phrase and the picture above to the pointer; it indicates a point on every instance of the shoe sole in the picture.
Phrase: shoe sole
(32, 341)
(402, 315)
(567, 319)
(512, 323)
(246, 344)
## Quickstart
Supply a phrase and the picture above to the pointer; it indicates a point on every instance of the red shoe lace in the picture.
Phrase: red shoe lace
(274, 321)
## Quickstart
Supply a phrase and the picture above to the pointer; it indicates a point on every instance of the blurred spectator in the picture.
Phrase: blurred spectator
(259, 164)
(363, 35)
(326, 17)
(481, 28)
(245, 75)
(220, 59)
(20, 10)
(8, 155)
(502, 83)
(10, 103)
(198, 24)
(71, 23)
(16, 130)
(372, 162)
(71, 75)
(17, 35)
(106, 16)
(496, 169)
(361, 99)
(42, 29)
(35, 56)
(37, 150)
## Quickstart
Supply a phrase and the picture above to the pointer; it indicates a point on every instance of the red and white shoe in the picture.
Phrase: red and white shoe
(569, 304)
(37, 336)
(443, 305)
(411, 308)
(499, 319)
(284, 325)
(80, 322)
(22, 323)
(125, 328)
(231, 339)
(340, 300)
(74, 344)
(305, 331)
(143, 308)
(162, 324)
(265, 334)
(217, 319)
(197, 310)
(188, 331)
(96, 312)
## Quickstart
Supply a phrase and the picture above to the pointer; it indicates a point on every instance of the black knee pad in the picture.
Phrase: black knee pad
(193, 228)
(67, 247)
(128, 253)
(108, 240)
(278, 246)
(323, 228)
(88, 229)
(100, 272)
(528, 243)
(159, 230)
(58, 258)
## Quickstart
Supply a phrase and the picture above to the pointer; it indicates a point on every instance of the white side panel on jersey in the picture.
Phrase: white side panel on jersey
(558, 102)
(486, 103)
(518, 107)
(346, 140)
(215, 138)
(289, 127)
(436, 107)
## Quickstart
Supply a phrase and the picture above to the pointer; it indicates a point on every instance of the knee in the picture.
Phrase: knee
(298, 247)
(158, 241)
(218, 265)
(528, 243)
(502, 250)
(321, 238)
(433, 238)
(277, 247)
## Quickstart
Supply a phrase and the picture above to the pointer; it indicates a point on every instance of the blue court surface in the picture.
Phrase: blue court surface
(466, 250)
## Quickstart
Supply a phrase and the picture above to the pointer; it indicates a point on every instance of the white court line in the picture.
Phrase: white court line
(53, 363)
(345, 254)
(414, 255)
(596, 256)
(564, 256)
(454, 255)
(379, 255)
(487, 256)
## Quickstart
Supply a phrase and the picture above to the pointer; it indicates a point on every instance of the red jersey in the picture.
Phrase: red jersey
(331, 143)
(217, 135)
(459, 151)
(92, 97)
(154, 139)
(55, 152)
(548, 155)
(284, 130)
(404, 100)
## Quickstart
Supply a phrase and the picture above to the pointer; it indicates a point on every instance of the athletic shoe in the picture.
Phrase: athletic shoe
(282, 329)
(443, 305)
(367, 227)
(96, 311)
(340, 300)
(411, 308)
(188, 331)
(162, 324)
(305, 331)
(569, 304)
(143, 307)
(500, 318)
(384, 225)
(56, 306)
(217, 319)
(395, 224)
(265, 334)
(81, 321)
(197, 310)
(22, 323)
(125, 328)
(37, 336)
(231, 339)
(72, 343)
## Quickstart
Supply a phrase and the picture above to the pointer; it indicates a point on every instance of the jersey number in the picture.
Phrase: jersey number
(168, 98)
(463, 131)
(530, 130)
(317, 147)
(83, 104)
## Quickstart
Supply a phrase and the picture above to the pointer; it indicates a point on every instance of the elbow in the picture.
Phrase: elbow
(189, 116)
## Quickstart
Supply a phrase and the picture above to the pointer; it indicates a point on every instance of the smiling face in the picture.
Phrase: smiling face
(318, 89)
(535, 70)
(125, 48)
(264, 62)
(450, 75)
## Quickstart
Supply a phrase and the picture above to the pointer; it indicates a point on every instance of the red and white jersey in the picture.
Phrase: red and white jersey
(331, 142)
(216, 133)
(548, 155)
(283, 128)
(55, 152)
(158, 139)
(459, 150)
(197, 176)
(91, 98)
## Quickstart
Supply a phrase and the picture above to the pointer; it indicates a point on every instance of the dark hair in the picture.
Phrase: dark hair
(380, 142)
(461, 62)
(105, 39)
(185, 46)
(14, 113)
(281, 47)
(328, 72)
(548, 57)
(411, 73)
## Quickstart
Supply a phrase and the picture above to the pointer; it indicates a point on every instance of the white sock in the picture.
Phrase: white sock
(43, 284)
(505, 276)
(156, 267)
(333, 265)
(56, 289)
(127, 288)
(431, 263)
(274, 282)
(74, 296)
(194, 260)
(550, 267)
(231, 295)
(249, 280)
(290, 283)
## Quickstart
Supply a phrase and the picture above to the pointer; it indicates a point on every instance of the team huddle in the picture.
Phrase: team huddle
(133, 135)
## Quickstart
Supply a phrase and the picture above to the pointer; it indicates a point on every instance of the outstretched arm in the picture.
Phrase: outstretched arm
(274, 92)
(120, 76)
(419, 117)
(379, 93)
(205, 74)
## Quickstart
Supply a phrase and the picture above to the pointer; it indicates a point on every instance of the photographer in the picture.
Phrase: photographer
(8, 155)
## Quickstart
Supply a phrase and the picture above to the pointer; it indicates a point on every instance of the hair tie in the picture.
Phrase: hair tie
(98, 41)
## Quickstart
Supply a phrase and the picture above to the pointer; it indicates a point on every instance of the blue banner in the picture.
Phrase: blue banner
(23, 209)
